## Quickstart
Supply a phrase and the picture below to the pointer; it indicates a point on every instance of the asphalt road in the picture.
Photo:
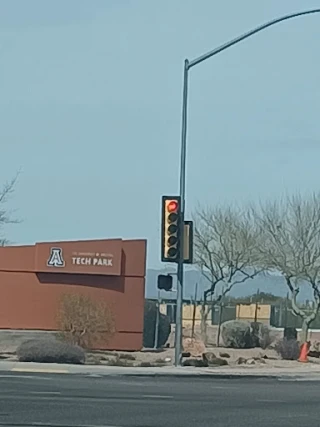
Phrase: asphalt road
(70, 400)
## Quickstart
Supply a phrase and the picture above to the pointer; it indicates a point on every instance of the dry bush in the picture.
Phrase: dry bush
(84, 321)
(50, 351)
(288, 349)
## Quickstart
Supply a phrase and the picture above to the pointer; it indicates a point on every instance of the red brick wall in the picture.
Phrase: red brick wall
(30, 300)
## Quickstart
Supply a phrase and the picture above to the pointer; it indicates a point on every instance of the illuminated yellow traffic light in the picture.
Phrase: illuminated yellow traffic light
(170, 236)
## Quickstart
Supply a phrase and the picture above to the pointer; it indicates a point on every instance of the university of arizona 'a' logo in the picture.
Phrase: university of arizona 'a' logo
(56, 258)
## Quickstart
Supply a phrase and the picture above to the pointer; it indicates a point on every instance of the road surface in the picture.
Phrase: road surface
(72, 400)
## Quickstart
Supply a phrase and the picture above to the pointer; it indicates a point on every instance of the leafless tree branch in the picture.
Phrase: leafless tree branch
(225, 247)
(225, 242)
(7, 215)
(291, 245)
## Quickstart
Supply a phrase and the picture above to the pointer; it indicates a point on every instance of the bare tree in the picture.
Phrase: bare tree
(225, 245)
(291, 247)
(85, 322)
(6, 215)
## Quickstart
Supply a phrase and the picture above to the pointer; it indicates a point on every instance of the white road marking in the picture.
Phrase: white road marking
(45, 392)
(224, 388)
(156, 396)
(39, 424)
(43, 371)
(302, 379)
(25, 377)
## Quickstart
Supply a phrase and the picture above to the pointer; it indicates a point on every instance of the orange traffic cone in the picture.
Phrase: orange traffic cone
(304, 352)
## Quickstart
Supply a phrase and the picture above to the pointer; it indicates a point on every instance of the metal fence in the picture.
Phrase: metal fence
(281, 315)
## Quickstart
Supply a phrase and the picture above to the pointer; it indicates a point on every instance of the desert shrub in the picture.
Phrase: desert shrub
(290, 333)
(237, 334)
(50, 351)
(288, 349)
(84, 321)
(150, 313)
(262, 336)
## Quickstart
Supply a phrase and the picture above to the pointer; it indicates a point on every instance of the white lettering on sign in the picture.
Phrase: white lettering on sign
(104, 262)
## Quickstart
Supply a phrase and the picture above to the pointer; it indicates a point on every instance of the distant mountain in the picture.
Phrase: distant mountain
(268, 284)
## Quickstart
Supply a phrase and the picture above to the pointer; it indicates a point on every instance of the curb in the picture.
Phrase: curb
(39, 371)
(203, 375)
(306, 376)
(214, 376)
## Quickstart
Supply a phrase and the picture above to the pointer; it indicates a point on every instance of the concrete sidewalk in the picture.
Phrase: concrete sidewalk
(308, 371)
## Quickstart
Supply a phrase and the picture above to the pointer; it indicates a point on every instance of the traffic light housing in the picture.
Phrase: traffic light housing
(188, 242)
(170, 235)
(165, 282)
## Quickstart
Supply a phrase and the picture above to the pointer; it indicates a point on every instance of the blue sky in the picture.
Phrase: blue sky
(90, 109)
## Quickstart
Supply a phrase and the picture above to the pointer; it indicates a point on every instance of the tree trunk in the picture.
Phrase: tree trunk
(304, 331)
(203, 326)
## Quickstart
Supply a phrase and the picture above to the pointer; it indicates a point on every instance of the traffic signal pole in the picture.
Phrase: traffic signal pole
(187, 66)
(180, 272)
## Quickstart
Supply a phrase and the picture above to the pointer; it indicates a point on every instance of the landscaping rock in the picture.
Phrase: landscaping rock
(197, 363)
(315, 350)
(127, 356)
(194, 346)
(186, 354)
(226, 355)
(208, 356)
(241, 361)
(218, 362)
(93, 359)
(237, 334)
(314, 353)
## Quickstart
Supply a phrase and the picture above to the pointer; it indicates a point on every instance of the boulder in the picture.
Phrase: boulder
(197, 363)
(237, 334)
(226, 355)
(193, 346)
(208, 356)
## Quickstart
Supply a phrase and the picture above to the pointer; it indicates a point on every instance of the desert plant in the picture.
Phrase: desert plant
(85, 322)
(237, 334)
(150, 313)
(288, 349)
(50, 351)
(290, 333)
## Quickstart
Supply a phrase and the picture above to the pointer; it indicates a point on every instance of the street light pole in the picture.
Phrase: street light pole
(179, 305)
(187, 66)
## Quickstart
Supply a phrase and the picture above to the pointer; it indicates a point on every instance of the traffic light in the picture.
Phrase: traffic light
(170, 235)
(165, 282)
